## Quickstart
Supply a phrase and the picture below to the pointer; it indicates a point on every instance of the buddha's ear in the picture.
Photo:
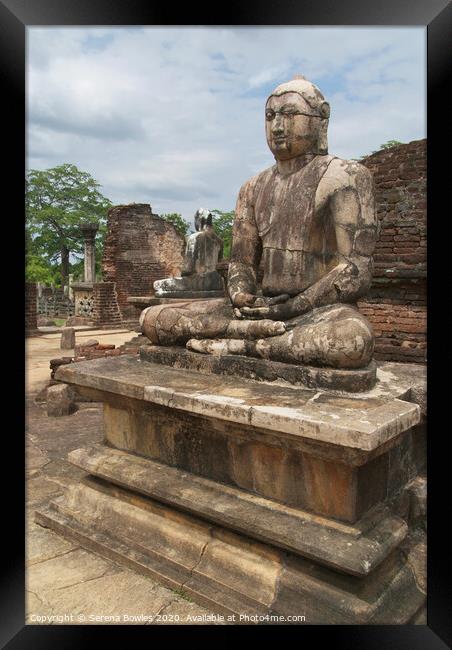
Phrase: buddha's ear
(322, 141)
(324, 109)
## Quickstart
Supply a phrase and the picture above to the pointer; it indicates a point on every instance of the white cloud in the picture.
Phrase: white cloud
(174, 116)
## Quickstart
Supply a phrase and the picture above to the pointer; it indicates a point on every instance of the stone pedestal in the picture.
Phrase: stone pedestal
(252, 497)
(83, 291)
(83, 300)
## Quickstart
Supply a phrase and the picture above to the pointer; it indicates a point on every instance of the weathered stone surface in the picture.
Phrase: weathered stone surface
(419, 396)
(417, 492)
(293, 411)
(330, 454)
(89, 231)
(113, 595)
(60, 400)
(231, 573)
(83, 303)
(35, 458)
(356, 549)
(414, 548)
(310, 222)
(90, 343)
(357, 380)
(40, 490)
(65, 570)
(203, 249)
(118, 598)
(43, 544)
(67, 338)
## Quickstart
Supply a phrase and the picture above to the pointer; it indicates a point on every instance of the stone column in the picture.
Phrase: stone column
(70, 290)
(89, 233)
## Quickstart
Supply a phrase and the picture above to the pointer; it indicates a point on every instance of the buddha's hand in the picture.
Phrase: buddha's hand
(279, 312)
(243, 299)
(266, 301)
(261, 301)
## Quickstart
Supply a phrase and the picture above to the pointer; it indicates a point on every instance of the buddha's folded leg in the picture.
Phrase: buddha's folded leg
(176, 324)
(335, 336)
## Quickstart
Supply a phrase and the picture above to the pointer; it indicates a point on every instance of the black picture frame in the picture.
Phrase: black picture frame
(436, 16)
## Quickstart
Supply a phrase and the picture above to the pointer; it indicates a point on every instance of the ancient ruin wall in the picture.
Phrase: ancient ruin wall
(105, 307)
(396, 304)
(140, 248)
(31, 318)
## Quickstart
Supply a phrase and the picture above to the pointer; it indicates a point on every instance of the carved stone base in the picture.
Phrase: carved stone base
(256, 499)
(231, 572)
(354, 381)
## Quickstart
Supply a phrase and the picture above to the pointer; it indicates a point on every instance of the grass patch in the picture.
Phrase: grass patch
(60, 322)
(183, 594)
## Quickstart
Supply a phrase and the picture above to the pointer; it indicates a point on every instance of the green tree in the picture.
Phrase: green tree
(178, 222)
(389, 144)
(222, 224)
(58, 201)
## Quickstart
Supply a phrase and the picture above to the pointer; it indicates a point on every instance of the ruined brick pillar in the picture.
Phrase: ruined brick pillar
(31, 318)
(140, 248)
(105, 309)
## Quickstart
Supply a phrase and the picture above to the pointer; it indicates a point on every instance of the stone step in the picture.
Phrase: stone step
(353, 549)
(225, 570)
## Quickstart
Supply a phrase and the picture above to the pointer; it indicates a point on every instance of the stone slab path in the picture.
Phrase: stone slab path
(65, 584)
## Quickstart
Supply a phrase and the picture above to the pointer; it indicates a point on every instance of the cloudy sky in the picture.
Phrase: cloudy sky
(174, 117)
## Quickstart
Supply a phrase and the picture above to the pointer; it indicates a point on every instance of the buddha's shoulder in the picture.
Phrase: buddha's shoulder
(256, 181)
(341, 174)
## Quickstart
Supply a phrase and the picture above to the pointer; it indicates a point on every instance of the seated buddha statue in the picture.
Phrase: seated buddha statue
(203, 250)
(309, 221)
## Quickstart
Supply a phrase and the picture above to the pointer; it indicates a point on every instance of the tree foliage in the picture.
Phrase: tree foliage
(178, 222)
(58, 201)
(389, 144)
(222, 224)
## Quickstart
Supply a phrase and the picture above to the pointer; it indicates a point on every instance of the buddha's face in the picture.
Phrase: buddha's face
(291, 126)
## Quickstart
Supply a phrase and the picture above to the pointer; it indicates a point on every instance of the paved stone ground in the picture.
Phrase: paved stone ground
(64, 580)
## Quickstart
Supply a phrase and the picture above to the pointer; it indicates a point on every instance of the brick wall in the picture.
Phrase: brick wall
(105, 308)
(396, 304)
(31, 317)
(140, 248)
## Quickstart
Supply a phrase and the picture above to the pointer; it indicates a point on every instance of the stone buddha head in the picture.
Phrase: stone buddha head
(203, 218)
(296, 120)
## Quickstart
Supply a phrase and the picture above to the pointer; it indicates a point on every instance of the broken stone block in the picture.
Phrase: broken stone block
(56, 363)
(60, 400)
(90, 343)
(67, 338)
